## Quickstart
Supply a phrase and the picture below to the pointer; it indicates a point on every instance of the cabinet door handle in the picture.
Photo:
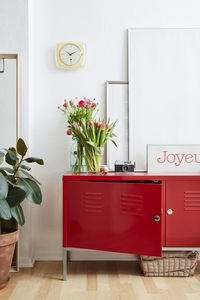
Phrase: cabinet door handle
(169, 211)
(156, 218)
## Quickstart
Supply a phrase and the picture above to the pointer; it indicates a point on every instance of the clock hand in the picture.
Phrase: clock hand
(73, 52)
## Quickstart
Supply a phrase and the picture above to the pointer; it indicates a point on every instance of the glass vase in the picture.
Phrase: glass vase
(77, 161)
(93, 158)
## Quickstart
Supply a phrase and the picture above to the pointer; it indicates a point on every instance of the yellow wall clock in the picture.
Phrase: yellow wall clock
(70, 55)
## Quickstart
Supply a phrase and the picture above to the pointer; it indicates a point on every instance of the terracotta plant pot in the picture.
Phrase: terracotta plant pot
(7, 247)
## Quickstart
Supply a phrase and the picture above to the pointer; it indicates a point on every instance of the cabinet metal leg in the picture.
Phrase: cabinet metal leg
(64, 264)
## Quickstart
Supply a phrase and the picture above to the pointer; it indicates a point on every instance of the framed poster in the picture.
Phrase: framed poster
(173, 158)
(117, 109)
(164, 89)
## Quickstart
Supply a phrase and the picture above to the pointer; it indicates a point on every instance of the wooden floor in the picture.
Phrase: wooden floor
(97, 281)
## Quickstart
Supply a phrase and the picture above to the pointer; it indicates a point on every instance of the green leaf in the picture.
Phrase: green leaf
(98, 135)
(92, 144)
(39, 161)
(15, 196)
(3, 172)
(18, 215)
(25, 167)
(9, 179)
(113, 142)
(11, 158)
(112, 133)
(33, 192)
(9, 170)
(21, 147)
(13, 150)
(5, 212)
(102, 139)
(30, 176)
(1, 157)
(3, 187)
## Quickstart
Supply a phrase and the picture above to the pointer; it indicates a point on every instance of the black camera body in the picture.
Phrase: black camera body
(124, 166)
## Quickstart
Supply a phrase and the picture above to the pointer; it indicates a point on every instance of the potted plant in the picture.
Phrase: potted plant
(16, 185)
(89, 133)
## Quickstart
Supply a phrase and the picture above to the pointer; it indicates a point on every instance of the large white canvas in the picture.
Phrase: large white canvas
(164, 89)
(117, 109)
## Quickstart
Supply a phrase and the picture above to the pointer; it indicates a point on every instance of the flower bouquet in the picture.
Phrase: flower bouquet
(90, 134)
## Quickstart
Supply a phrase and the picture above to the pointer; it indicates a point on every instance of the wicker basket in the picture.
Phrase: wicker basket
(180, 264)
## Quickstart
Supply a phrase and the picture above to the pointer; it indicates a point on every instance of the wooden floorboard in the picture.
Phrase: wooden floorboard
(97, 281)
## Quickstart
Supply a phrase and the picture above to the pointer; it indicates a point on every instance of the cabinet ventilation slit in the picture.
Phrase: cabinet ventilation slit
(131, 204)
(93, 202)
(192, 200)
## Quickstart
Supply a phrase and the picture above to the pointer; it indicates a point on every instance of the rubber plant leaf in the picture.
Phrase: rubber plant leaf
(15, 196)
(21, 147)
(2, 154)
(39, 161)
(9, 170)
(3, 187)
(30, 176)
(33, 192)
(11, 158)
(18, 214)
(5, 212)
(25, 167)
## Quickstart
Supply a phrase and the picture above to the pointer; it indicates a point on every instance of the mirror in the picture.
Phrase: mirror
(164, 89)
(8, 100)
(9, 113)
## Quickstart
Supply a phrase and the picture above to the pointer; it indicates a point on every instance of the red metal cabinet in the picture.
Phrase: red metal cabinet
(115, 212)
(183, 221)
(112, 216)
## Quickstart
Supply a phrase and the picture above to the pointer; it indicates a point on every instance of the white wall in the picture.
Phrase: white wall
(14, 40)
(102, 26)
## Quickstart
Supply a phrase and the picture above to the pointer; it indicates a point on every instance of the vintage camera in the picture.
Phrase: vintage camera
(124, 166)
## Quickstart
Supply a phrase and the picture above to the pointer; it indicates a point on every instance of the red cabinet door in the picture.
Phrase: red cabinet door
(183, 224)
(114, 216)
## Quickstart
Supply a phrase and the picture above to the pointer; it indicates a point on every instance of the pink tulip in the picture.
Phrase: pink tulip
(103, 126)
(81, 103)
(87, 101)
(88, 105)
(80, 128)
(98, 124)
(65, 104)
(73, 125)
(91, 124)
(68, 132)
(93, 104)
(71, 102)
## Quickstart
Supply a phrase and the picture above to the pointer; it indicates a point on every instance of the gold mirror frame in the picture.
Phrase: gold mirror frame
(15, 56)
(15, 262)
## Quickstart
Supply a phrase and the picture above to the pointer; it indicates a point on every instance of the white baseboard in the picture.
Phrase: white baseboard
(89, 255)
(27, 262)
(48, 258)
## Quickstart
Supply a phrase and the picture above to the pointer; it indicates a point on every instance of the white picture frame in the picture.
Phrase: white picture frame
(117, 107)
(173, 158)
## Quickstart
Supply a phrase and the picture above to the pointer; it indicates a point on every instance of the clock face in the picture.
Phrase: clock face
(70, 54)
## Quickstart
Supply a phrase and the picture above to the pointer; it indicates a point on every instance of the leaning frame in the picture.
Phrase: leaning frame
(16, 57)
